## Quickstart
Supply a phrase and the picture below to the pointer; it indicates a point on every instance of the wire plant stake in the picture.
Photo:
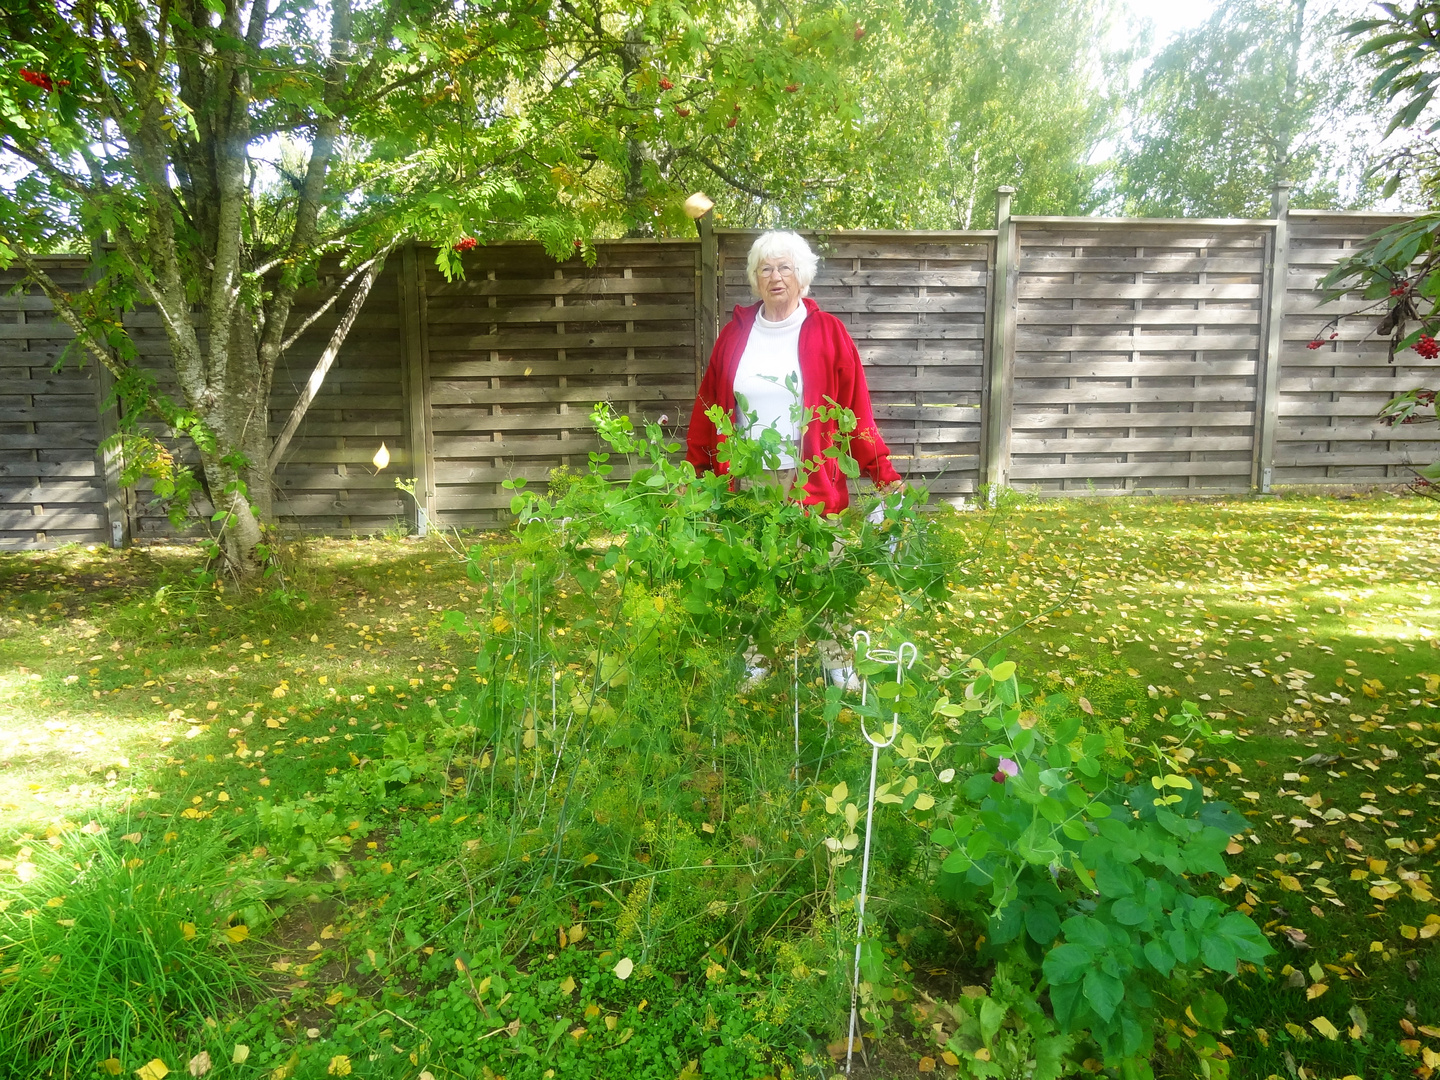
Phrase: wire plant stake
(902, 658)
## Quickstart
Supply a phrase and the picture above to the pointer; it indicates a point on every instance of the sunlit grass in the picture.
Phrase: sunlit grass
(1308, 626)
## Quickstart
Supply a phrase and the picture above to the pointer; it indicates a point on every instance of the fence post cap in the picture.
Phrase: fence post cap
(1005, 189)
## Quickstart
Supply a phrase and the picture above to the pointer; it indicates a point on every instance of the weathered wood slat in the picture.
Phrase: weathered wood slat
(1137, 394)
(454, 320)
(1353, 407)
(1090, 315)
(1373, 432)
(1346, 385)
(62, 517)
(1031, 288)
(1139, 264)
(1023, 444)
(51, 491)
(22, 470)
(1027, 368)
(553, 394)
(1025, 470)
(676, 339)
(55, 437)
(1316, 458)
(445, 371)
(458, 293)
(831, 276)
(1122, 420)
(1207, 341)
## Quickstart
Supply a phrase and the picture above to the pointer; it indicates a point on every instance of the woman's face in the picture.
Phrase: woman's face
(779, 287)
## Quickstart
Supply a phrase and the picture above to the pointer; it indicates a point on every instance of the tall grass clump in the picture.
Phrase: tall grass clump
(111, 948)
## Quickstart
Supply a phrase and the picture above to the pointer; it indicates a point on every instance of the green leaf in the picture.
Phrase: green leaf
(1160, 956)
(957, 862)
(1130, 911)
(1066, 963)
(1103, 993)
(992, 1015)
(1042, 924)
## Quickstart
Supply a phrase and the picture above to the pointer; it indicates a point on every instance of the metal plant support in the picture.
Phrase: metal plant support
(902, 658)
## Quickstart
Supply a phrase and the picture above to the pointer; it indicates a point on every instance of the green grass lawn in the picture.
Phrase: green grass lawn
(164, 733)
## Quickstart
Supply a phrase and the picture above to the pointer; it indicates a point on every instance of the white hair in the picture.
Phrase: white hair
(782, 245)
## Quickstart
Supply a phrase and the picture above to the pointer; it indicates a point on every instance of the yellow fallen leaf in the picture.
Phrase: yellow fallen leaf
(154, 1069)
(187, 929)
(983, 1054)
(1409, 933)
(339, 1066)
(334, 997)
(568, 986)
(949, 1058)
(927, 1064)
(588, 859)
(1316, 989)
(1325, 1027)
(199, 1064)
(241, 1054)
(237, 933)
(624, 968)
(110, 1066)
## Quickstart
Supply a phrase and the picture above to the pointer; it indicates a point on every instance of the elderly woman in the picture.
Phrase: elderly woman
(771, 349)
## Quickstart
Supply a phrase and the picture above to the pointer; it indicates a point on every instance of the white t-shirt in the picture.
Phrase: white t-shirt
(771, 357)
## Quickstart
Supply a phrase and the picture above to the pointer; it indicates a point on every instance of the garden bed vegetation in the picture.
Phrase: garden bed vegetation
(380, 817)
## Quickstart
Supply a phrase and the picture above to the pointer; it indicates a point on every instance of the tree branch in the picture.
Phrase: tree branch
(65, 308)
(328, 304)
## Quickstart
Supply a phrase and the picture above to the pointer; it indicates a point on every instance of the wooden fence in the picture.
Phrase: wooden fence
(1059, 355)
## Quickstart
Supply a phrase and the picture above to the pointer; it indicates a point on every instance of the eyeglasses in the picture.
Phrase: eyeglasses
(784, 270)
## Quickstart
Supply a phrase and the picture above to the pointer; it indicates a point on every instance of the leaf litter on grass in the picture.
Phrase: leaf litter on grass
(1308, 626)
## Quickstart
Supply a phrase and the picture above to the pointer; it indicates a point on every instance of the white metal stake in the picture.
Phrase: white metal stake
(795, 695)
(902, 658)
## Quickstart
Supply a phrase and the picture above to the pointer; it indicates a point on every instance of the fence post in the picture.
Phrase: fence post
(709, 285)
(1267, 383)
(415, 384)
(995, 416)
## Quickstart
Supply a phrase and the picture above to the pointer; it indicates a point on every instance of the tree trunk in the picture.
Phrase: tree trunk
(1285, 125)
(234, 407)
(637, 209)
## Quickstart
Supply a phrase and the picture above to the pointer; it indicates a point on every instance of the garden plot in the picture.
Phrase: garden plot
(478, 913)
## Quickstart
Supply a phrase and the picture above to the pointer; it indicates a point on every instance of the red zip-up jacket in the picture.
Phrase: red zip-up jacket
(830, 370)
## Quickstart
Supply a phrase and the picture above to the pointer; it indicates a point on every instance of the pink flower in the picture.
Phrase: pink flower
(1007, 768)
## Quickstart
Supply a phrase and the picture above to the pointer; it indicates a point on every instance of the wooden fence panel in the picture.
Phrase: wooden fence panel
(522, 348)
(1136, 352)
(916, 305)
(325, 482)
(1327, 432)
(52, 488)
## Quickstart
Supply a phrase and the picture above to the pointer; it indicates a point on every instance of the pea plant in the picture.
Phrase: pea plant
(738, 553)
(1080, 855)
